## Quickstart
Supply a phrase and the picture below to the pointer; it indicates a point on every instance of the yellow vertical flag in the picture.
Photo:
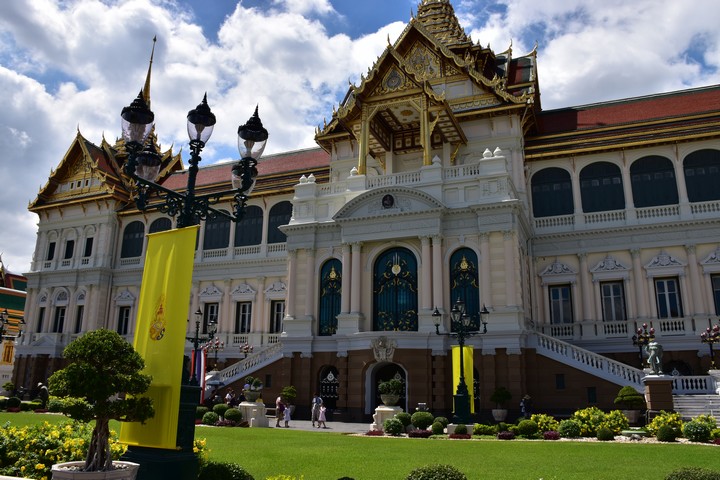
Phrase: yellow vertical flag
(160, 333)
(468, 363)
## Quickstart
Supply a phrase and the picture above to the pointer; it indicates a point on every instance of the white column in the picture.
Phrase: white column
(437, 269)
(226, 318)
(577, 198)
(346, 279)
(698, 305)
(485, 265)
(426, 285)
(510, 270)
(638, 283)
(260, 323)
(292, 282)
(310, 282)
(356, 280)
(587, 298)
(627, 191)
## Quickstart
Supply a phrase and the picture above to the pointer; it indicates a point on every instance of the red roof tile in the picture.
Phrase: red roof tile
(686, 102)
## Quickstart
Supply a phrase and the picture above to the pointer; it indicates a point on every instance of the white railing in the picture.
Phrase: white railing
(253, 362)
(605, 217)
(406, 178)
(561, 221)
(126, 262)
(215, 253)
(247, 251)
(701, 384)
(274, 248)
(587, 361)
(662, 211)
(705, 207)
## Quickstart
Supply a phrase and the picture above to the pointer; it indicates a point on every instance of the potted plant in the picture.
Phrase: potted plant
(252, 388)
(500, 397)
(631, 402)
(391, 391)
(102, 382)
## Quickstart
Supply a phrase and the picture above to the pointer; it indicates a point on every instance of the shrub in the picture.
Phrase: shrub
(420, 433)
(223, 471)
(422, 420)
(14, 402)
(630, 399)
(500, 397)
(569, 428)
(707, 419)
(527, 428)
(502, 427)
(404, 418)
(696, 431)
(461, 429)
(693, 473)
(544, 422)
(442, 420)
(616, 421)
(605, 434)
(513, 429)
(220, 409)
(551, 435)
(671, 419)
(200, 411)
(715, 433)
(506, 435)
(667, 433)
(436, 472)
(393, 426)
(482, 429)
(210, 418)
(437, 428)
(589, 419)
(233, 415)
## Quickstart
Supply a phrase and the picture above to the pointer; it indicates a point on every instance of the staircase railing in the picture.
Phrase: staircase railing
(253, 362)
(587, 361)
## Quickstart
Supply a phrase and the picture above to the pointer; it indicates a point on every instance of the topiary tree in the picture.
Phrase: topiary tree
(437, 428)
(404, 418)
(527, 428)
(102, 382)
(421, 420)
(210, 418)
(436, 472)
(604, 434)
(233, 415)
(500, 397)
(289, 393)
(220, 409)
(393, 426)
(630, 399)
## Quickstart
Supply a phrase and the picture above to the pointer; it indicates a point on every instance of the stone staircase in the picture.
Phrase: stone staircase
(690, 406)
(252, 363)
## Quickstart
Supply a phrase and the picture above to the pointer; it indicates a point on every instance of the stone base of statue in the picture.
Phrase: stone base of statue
(658, 392)
(254, 413)
(382, 413)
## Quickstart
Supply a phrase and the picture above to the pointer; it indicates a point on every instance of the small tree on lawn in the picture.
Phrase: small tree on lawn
(103, 370)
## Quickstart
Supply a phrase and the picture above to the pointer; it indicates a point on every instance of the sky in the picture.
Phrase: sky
(72, 65)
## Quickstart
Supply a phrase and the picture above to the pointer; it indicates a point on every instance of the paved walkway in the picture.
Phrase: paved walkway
(341, 427)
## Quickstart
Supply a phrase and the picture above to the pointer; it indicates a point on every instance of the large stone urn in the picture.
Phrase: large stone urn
(71, 471)
(252, 395)
(389, 399)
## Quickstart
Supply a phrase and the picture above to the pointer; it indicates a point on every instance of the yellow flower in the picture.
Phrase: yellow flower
(39, 466)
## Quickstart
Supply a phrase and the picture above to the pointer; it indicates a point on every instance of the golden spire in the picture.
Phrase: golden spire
(146, 88)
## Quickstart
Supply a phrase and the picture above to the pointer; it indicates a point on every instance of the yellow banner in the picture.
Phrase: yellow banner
(468, 363)
(160, 332)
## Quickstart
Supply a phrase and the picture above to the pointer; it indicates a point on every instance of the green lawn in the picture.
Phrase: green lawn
(329, 456)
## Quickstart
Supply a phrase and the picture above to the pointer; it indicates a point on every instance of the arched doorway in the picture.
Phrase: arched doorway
(382, 373)
(329, 387)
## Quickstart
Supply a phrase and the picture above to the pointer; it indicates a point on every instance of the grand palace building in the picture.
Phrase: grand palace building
(439, 177)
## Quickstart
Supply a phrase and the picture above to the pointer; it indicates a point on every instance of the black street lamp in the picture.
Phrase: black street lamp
(245, 349)
(711, 336)
(461, 321)
(215, 345)
(143, 163)
(641, 339)
(197, 340)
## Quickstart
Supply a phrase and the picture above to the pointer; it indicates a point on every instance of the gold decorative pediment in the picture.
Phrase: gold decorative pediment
(423, 63)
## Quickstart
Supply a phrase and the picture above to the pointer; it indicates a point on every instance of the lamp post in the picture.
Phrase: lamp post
(215, 345)
(642, 337)
(245, 349)
(197, 340)
(461, 321)
(711, 336)
(143, 164)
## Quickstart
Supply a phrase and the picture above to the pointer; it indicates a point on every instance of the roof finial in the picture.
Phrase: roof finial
(146, 88)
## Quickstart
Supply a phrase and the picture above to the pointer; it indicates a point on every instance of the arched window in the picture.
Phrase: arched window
(702, 175)
(217, 233)
(279, 215)
(601, 187)
(464, 283)
(653, 182)
(552, 193)
(395, 305)
(132, 241)
(330, 290)
(162, 224)
(248, 231)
